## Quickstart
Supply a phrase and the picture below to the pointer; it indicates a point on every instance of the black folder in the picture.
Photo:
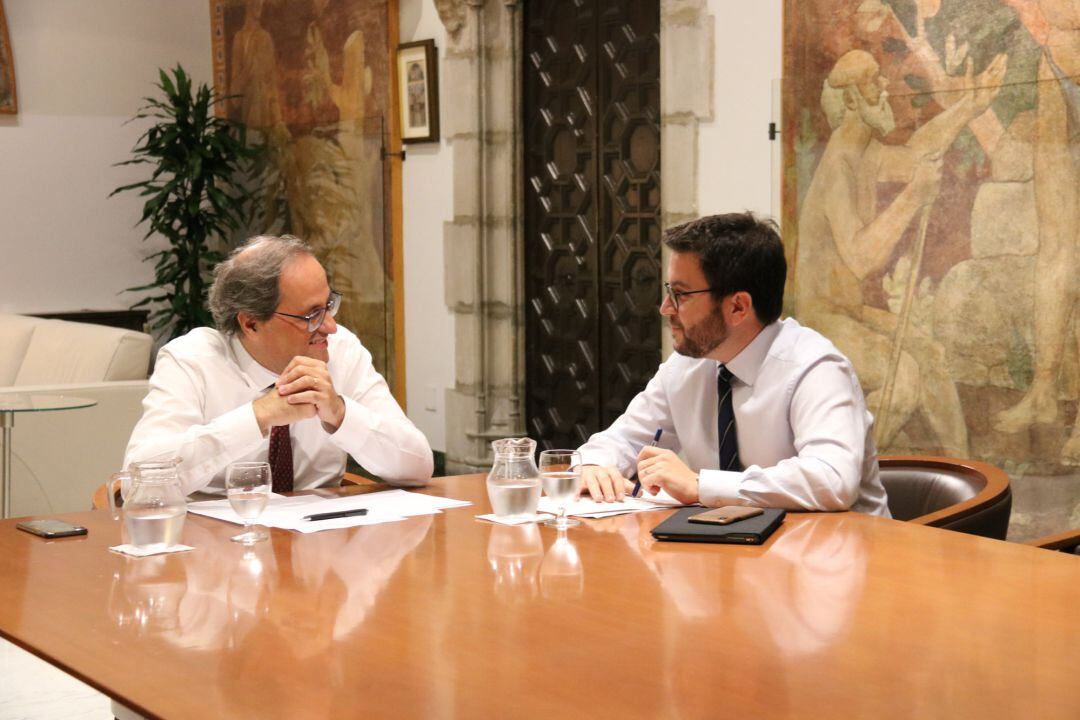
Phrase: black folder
(751, 531)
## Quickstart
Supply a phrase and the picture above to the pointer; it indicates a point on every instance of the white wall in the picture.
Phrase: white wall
(735, 157)
(427, 179)
(82, 69)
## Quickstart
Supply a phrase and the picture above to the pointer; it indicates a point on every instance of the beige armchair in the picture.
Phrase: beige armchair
(58, 458)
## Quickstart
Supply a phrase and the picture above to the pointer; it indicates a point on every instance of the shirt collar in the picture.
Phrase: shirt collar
(255, 373)
(747, 364)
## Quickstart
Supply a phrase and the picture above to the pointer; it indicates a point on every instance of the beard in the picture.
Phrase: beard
(701, 339)
(880, 116)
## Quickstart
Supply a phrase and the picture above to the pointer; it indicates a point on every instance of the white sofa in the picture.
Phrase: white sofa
(60, 457)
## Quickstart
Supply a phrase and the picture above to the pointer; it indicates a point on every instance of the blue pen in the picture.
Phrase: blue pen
(637, 482)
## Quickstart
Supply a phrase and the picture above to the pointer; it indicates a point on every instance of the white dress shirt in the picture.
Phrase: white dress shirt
(805, 435)
(199, 409)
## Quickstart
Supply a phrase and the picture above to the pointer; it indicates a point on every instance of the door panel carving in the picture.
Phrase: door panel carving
(592, 212)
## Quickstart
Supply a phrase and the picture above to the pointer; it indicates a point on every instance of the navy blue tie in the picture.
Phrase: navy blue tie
(725, 423)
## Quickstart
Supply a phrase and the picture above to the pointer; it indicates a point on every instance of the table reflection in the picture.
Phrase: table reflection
(802, 586)
(146, 594)
(311, 590)
(561, 575)
(523, 570)
(514, 553)
(318, 590)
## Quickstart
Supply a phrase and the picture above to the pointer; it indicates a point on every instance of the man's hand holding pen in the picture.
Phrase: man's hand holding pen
(661, 468)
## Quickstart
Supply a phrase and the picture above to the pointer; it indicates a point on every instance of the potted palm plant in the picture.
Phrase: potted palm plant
(193, 197)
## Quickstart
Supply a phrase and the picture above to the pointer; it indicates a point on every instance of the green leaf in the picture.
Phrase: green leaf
(194, 197)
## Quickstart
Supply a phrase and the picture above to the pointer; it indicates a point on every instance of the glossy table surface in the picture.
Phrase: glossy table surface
(445, 616)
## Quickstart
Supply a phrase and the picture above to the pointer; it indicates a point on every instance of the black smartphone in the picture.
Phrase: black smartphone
(51, 528)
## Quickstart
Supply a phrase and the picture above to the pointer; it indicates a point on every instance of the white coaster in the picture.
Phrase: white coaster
(515, 520)
(143, 552)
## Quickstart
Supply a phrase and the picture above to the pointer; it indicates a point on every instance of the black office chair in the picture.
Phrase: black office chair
(962, 495)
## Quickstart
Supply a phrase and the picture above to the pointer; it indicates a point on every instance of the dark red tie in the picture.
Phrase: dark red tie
(281, 466)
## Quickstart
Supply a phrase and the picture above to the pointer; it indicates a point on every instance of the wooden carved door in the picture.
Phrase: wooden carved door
(592, 212)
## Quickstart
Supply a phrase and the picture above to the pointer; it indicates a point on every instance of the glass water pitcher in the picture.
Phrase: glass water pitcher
(514, 482)
(154, 506)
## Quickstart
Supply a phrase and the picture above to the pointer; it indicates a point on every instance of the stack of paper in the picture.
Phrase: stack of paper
(289, 512)
(587, 508)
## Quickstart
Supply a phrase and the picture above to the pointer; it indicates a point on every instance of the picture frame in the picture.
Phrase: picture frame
(9, 103)
(418, 91)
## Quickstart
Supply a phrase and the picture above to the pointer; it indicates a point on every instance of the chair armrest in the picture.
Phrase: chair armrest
(996, 484)
(354, 479)
(1066, 541)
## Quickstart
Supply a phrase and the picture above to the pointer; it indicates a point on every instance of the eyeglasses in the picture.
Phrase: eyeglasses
(674, 295)
(315, 318)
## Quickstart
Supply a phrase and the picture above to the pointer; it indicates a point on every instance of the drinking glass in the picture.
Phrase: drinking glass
(247, 485)
(560, 474)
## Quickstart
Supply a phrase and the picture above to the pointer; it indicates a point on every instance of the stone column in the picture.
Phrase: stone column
(687, 40)
(483, 241)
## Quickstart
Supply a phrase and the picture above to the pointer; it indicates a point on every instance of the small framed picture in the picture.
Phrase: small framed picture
(418, 91)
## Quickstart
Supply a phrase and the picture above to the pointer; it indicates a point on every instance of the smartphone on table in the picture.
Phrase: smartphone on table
(51, 528)
(725, 515)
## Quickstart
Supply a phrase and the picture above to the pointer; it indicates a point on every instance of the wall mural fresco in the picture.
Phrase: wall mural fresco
(8, 99)
(930, 194)
(311, 80)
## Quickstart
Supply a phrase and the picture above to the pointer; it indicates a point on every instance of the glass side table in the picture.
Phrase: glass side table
(17, 402)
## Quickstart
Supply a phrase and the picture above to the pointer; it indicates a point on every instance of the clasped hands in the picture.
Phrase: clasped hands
(304, 389)
(656, 467)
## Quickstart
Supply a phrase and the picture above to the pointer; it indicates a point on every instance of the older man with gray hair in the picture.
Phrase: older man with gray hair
(279, 380)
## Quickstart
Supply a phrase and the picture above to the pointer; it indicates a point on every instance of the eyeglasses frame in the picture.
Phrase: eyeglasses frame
(674, 295)
(331, 309)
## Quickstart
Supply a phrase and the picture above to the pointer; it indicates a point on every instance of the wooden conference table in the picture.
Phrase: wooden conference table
(838, 615)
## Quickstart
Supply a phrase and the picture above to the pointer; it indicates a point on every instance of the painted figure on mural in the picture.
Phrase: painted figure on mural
(316, 76)
(329, 174)
(315, 91)
(995, 310)
(352, 95)
(843, 229)
(1057, 197)
(253, 78)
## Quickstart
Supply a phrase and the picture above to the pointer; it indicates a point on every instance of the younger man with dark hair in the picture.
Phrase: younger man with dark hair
(763, 411)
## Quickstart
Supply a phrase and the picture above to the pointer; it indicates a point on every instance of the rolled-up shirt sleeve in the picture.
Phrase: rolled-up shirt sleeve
(375, 431)
(830, 428)
(620, 444)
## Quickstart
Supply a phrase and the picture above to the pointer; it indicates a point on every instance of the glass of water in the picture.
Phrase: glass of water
(560, 474)
(247, 485)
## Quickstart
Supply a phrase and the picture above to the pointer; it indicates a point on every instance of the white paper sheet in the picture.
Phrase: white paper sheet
(586, 507)
(288, 513)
